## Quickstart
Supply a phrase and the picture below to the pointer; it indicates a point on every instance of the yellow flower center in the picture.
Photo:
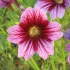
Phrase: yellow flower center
(59, 1)
(34, 31)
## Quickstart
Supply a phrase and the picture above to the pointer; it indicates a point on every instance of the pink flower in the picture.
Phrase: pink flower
(8, 3)
(56, 8)
(69, 58)
(34, 34)
(68, 50)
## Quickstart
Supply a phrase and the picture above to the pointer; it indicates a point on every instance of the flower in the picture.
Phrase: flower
(34, 34)
(8, 3)
(67, 34)
(68, 50)
(56, 8)
(69, 58)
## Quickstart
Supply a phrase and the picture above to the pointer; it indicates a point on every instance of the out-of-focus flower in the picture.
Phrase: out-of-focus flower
(56, 8)
(67, 34)
(8, 3)
(34, 34)
(68, 50)
(69, 58)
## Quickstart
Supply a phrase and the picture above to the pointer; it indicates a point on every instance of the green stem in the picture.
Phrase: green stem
(64, 66)
(33, 64)
(4, 16)
(64, 63)
(63, 54)
(52, 63)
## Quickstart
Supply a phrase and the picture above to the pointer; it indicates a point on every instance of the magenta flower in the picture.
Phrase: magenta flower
(34, 34)
(68, 50)
(8, 3)
(56, 8)
(2, 4)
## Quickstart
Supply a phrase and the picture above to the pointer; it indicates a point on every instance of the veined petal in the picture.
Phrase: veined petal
(45, 48)
(55, 35)
(26, 50)
(16, 38)
(53, 13)
(14, 30)
(60, 12)
(22, 48)
(27, 16)
(42, 52)
(54, 26)
(48, 46)
(67, 3)
(40, 14)
(53, 31)
(44, 4)
(32, 16)
(2, 4)
(16, 34)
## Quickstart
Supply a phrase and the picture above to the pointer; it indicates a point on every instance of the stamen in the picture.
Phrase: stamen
(34, 31)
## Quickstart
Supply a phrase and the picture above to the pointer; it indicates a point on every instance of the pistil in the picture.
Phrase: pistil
(34, 31)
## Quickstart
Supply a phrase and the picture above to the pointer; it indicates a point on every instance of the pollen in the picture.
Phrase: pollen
(34, 31)
(59, 1)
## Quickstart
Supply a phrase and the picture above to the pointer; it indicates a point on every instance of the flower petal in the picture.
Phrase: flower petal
(60, 12)
(26, 50)
(14, 29)
(54, 26)
(16, 34)
(31, 16)
(27, 16)
(55, 35)
(2, 4)
(69, 58)
(45, 48)
(67, 34)
(67, 3)
(22, 48)
(53, 13)
(67, 48)
(53, 31)
(43, 4)
(15, 39)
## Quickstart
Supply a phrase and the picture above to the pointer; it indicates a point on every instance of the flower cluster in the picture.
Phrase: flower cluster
(67, 36)
(35, 33)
